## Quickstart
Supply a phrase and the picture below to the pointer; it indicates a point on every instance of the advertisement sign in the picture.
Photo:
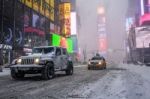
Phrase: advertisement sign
(143, 37)
(36, 4)
(52, 14)
(42, 10)
(66, 27)
(28, 3)
(63, 42)
(65, 17)
(52, 3)
(47, 8)
(67, 10)
(47, 1)
(103, 44)
(64, 11)
(61, 11)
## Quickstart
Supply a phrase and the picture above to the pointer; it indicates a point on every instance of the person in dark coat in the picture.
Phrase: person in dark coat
(1, 60)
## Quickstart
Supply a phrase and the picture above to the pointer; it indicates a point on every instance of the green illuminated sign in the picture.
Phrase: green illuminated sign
(55, 40)
(70, 45)
(58, 41)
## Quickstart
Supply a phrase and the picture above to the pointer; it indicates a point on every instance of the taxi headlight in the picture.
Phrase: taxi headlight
(36, 61)
(19, 61)
(100, 62)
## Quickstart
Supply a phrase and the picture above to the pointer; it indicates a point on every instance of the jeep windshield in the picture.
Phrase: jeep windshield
(43, 50)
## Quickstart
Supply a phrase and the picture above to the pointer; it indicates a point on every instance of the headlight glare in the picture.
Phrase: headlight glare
(100, 62)
(19, 61)
(36, 61)
(89, 63)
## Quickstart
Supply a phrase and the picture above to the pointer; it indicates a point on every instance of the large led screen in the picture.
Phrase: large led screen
(143, 37)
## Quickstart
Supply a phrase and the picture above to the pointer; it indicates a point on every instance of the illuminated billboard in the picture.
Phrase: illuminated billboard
(65, 17)
(143, 37)
(36, 5)
(44, 7)
(52, 3)
(103, 44)
(28, 3)
(63, 42)
(55, 40)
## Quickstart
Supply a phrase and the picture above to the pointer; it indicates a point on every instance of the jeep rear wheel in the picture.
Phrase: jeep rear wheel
(18, 75)
(69, 70)
(48, 72)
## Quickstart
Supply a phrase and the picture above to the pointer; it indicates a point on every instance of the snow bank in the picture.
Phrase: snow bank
(142, 70)
(6, 71)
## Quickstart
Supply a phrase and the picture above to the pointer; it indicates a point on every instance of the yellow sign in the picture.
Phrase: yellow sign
(61, 11)
(47, 1)
(42, 8)
(45, 7)
(28, 3)
(52, 14)
(67, 10)
(36, 4)
(21, 1)
(64, 11)
(52, 3)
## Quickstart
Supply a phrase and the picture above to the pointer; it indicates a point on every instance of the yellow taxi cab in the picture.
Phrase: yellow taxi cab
(97, 62)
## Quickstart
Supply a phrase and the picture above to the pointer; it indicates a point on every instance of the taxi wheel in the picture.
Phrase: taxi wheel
(105, 67)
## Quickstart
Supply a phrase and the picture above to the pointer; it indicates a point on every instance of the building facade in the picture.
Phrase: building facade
(25, 24)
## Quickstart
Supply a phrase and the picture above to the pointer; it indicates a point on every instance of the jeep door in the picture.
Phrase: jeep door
(58, 59)
(64, 58)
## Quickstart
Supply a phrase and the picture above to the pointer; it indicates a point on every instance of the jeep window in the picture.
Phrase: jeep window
(58, 51)
(43, 50)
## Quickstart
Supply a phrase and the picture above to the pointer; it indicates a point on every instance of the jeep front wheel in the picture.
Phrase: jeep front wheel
(15, 75)
(48, 72)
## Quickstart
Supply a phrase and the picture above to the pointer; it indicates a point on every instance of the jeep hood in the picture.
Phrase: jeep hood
(38, 55)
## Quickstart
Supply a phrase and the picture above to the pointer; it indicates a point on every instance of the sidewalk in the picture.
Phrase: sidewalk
(6, 71)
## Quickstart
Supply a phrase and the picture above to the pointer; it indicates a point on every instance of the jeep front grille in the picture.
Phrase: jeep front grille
(27, 61)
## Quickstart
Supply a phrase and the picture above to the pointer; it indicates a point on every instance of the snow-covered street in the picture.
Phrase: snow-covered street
(121, 81)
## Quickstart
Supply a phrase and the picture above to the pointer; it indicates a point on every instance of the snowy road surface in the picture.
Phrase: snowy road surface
(116, 82)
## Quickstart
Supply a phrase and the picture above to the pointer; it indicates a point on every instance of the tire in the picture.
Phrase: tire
(17, 76)
(69, 70)
(48, 71)
(104, 67)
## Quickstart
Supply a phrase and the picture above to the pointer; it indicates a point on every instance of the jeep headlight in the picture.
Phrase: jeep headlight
(89, 63)
(19, 61)
(37, 61)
